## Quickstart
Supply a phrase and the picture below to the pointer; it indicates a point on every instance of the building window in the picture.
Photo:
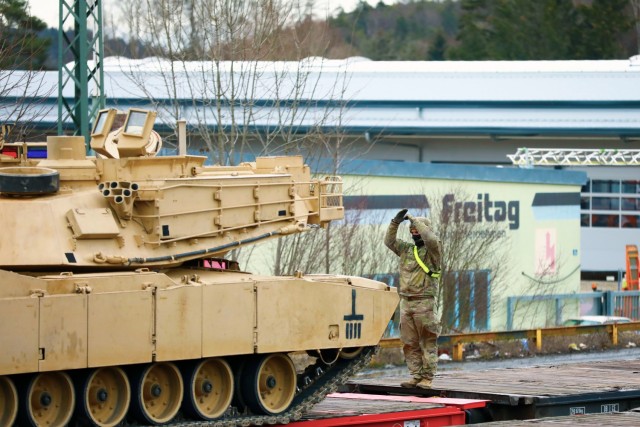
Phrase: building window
(605, 186)
(630, 204)
(610, 203)
(630, 221)
(604, 220)
(605, 203)
(631, 187)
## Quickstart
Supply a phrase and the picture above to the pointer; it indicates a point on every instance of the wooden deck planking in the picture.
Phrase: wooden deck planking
(618, 419)
(536, 381)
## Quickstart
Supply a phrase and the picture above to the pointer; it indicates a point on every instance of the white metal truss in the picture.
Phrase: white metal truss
(528, 157)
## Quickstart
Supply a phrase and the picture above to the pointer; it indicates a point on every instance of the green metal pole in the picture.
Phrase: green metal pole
(85, 72)
(81, 90)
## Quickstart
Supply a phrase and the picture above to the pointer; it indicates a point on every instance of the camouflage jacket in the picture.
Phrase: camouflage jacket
(413, 280)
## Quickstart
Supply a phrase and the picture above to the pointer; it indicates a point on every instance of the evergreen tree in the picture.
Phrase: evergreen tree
(475, 31)
(397, 32)
(542, 30)
(601, 27)
(449, 16)
(438, 47)
(381, 47)
(402, 28)
(20, 44)
(526, 30)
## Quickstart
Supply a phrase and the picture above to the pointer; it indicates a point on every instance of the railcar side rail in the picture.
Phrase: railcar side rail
(457, 341)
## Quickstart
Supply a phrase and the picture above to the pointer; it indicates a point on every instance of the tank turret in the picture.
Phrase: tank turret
(129, 209)
(118, 306)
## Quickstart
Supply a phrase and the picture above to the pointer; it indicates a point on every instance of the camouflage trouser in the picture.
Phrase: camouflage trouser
(419, 331)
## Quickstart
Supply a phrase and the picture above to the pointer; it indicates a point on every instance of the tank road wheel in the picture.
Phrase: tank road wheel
(103, 396)
(350, 353)
(208, 388)
(47, 399)
(269, 384)
(8, 401)
(157, 393)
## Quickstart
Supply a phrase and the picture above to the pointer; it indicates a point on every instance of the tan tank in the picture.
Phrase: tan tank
(117, 305)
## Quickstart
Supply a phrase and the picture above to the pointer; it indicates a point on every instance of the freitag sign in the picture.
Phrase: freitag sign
(486, 209)
(483, 209)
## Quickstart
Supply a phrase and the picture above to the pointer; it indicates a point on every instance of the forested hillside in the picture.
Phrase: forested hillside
(490, 30)
(409, 30)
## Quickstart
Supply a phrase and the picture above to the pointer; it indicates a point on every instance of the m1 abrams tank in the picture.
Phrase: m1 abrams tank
(117, 305)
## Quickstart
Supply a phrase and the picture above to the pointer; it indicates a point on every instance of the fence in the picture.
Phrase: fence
(467, 304)
(607, 303)
(466, 300)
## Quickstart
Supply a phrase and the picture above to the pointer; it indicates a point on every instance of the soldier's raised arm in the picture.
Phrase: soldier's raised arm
(390, 238)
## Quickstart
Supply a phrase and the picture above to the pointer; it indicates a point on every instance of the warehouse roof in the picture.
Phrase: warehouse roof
(400, 97)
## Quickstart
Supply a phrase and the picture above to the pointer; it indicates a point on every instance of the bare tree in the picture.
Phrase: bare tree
(22, 55)
(538, 305)
(356, 248)
(28, 90)
(475, 262)
(122, 29)
(225, 58)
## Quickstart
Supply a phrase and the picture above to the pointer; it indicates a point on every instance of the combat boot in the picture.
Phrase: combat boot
(424, 384)
(411, 383)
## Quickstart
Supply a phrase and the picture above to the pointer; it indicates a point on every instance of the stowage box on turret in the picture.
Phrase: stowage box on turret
(117, 304)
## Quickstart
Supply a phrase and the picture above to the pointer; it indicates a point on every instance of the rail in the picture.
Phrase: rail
(572, 156)
(607, 303)
(457, 341)
(331, 192)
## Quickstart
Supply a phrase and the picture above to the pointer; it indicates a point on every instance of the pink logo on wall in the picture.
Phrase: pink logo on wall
(545, 253)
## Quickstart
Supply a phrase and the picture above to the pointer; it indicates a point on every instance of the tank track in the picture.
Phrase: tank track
(321, 380)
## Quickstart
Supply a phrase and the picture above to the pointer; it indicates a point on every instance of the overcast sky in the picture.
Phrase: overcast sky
(47, 10)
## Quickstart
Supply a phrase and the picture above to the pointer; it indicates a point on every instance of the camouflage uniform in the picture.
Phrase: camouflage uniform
(419, 322)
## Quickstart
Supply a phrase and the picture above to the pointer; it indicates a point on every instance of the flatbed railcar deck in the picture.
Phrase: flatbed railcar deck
(614, 419)
(531, 392)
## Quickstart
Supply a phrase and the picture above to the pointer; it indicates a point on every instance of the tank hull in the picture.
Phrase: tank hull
(92, 320)
(74, 332)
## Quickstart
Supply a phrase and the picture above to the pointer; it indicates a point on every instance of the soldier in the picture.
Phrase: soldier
(419, 271)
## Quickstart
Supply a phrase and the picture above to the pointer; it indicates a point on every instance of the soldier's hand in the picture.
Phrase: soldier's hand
(400, 216)
(410, 218)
